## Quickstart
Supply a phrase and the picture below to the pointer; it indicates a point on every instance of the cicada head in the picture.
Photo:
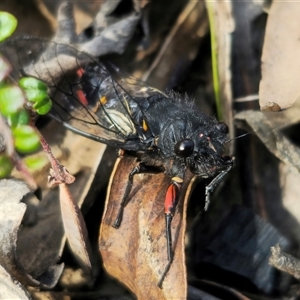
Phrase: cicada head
(203, 151)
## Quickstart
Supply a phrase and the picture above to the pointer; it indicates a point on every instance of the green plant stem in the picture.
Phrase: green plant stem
(214, 57)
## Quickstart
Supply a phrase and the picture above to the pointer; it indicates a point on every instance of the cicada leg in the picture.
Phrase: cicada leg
(213, 184)
(140, 169)
(171, 201)
(209, 190)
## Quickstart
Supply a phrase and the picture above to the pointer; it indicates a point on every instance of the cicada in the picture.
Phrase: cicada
(165, 131)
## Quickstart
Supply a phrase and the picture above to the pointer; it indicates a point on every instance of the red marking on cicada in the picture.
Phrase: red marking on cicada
(102, 101)
(172, 197)
(80, 72)
(81, 97)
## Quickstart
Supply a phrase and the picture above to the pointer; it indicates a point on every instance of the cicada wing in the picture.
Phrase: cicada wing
(85, 96)
(133, 86)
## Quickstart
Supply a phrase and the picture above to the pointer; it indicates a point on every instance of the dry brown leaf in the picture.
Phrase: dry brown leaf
(136, 253)
(285, 262)
(279, 87)
(289, 184)
(273, 139)
(177, 49)
(74, 225)
(47, 233)
(284, 119)
(75, 229)
(11, 215)
(10, 288)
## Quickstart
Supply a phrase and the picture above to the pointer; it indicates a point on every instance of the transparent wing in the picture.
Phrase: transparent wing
(133, 86)
(87, 99)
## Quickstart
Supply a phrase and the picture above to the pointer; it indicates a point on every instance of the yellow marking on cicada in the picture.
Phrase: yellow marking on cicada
(102, 101)
(177, 179)
(145, 126)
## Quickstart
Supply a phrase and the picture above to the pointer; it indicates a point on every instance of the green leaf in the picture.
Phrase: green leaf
(11, 99)
(8, 24)
(36, 92)
(214, 57)
(19, 118)
(43, 107)
(32, 83)
(5, 166)
(26, 139)
(34, 95)
(35, 163)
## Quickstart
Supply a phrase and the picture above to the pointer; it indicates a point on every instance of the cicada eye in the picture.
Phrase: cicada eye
(184, 148)
(221, 126)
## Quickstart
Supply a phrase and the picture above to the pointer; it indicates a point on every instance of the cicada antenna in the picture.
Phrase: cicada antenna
(238, 137)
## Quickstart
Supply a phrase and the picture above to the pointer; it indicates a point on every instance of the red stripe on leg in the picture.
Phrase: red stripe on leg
(171, 198)
(82, 98)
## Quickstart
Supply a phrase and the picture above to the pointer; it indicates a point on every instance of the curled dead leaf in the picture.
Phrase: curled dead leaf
(10, 288)
(11, 215)
(271, 106)
(281, 57)
(273, 139)
(75, 229)
(136, 253)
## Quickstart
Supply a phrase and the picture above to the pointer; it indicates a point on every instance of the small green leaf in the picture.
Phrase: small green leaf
(35, 163)
(19, 118)
(43, 107)
(8, 24)
(11, 99)
(34, 95)
(26, 139)
(32, 83)
(5, 166)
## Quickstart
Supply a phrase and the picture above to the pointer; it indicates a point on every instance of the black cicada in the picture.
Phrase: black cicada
(165, 131)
